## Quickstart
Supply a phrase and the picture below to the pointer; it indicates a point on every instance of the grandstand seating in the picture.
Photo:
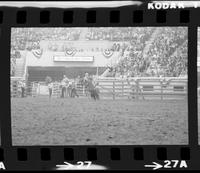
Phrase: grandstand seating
(20, 67)
(148, 44)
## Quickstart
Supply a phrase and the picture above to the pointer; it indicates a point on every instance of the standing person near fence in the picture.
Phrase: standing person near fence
(136, 91)
(74, 87)
(48, 79)
(97, 89)
(94, 92)
(64, 84)
(133, 87)
(85, 83)
(50, 87)
(23, 87)
(86, 77)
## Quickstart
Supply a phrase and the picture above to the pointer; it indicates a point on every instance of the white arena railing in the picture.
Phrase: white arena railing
(144, 87)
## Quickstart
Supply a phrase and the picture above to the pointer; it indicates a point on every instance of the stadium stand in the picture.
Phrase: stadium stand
(153, 52)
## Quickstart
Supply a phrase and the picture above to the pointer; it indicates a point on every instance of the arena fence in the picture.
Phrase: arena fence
(142, 88)
(14, 86)
(115, 88)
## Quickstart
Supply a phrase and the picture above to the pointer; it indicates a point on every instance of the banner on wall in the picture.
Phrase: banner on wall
(107, 53)
(70, 51)
(37, 53)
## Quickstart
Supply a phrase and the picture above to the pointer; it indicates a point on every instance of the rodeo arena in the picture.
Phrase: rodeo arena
(99, 86)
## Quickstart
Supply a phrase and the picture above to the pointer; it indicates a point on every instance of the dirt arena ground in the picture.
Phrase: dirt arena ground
(40, 121)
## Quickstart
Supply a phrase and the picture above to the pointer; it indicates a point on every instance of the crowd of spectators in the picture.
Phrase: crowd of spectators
(168, 40)
(27, 38)
(117, 34)
(166, 55)
(14, 55)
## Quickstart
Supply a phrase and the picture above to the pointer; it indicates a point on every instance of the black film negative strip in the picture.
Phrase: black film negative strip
(141, 60)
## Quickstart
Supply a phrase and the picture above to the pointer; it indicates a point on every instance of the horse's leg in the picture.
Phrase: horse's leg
(76, 93)
(94, 95)
(70, 92)
(91, 94)
(66, 92)
(97, 96)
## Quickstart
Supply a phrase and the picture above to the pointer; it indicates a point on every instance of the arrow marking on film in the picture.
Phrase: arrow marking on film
(154, 166)
(66, 165)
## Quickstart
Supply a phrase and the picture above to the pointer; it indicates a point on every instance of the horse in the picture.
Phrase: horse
(92, 89)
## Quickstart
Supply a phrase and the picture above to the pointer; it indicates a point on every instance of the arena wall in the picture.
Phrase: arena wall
(82, 49)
